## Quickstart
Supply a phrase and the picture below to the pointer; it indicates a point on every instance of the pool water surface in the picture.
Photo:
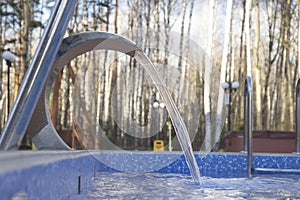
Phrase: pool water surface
(120, 185)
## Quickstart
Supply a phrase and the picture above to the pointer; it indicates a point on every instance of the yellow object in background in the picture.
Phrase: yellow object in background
(158, 145)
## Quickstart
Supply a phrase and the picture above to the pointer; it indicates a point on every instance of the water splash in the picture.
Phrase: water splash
(175, 116)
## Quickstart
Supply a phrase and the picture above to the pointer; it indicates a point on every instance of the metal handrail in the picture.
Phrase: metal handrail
(248, 123)
(34, 80)
(297, 117)
(248, 129)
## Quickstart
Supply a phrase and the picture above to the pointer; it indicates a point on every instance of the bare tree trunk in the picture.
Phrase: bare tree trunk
(2, 42)
(147, 50)
(223, 72)
(233, 111)
(67, 122)
(270, 72)
(109, 72)
(288, 124)
(281, 104)
(188, 76)
(248, 38)
(115, 79)
(207, 80)
(257, 70)
(241, 64)
(181, 67)
(106, 78)
(167, 15)
(140, 75)
(28, 13)
(285, 119)
(157, 22)
(20, 46)
(298, 67)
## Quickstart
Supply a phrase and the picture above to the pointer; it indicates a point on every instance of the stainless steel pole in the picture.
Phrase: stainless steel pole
(245, 116)
(8, 85)
(36, 76)
(297, 117)
(249, 125)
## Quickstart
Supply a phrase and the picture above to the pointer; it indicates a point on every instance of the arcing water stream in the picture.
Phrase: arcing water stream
(175, 116)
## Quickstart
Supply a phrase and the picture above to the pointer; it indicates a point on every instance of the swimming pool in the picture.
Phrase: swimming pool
(56, 175)
(120, 185)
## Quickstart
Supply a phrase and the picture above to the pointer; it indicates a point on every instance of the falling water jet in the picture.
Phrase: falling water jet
(175, 116)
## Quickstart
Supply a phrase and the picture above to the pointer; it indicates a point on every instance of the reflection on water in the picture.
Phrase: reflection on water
(178, 186)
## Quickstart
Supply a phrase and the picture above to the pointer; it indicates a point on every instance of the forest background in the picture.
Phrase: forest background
(195, 44)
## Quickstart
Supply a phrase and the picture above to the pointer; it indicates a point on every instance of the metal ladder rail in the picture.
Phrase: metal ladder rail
(297, 117)
(248, 130)
(248, 123)
(34, 80)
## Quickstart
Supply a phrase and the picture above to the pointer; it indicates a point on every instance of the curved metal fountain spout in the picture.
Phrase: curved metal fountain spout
(70, 48)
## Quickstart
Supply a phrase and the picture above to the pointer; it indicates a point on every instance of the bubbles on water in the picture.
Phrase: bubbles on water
(179, 186)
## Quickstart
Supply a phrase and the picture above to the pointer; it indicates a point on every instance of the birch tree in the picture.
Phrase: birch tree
(284, 95)
(257, 70)
(248, 37)
(207, 80)
(298, 68)
(225, 52)
(181, 68)
(272, 54)
(20, 46)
